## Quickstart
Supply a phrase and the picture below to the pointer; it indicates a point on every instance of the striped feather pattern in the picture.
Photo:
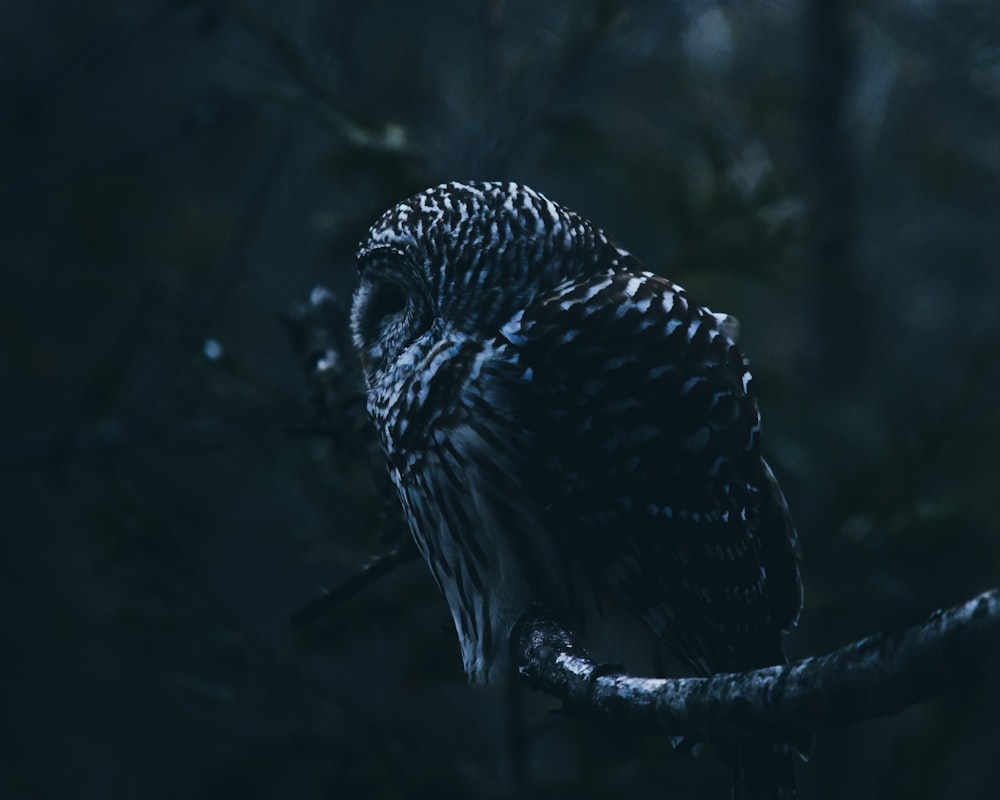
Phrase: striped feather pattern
(565, 428)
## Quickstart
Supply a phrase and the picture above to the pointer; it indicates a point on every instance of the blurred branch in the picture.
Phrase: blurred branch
(876, 676)
(840, 318)
(113, 434)
(576, 51)
(310, 88)
(319, 333)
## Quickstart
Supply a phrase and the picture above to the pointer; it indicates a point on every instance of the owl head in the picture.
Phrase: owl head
(460, 259)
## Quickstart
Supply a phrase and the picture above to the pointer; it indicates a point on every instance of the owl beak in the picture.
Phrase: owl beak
(364, 363)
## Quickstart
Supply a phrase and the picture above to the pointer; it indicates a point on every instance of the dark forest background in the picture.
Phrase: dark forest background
(174, 176)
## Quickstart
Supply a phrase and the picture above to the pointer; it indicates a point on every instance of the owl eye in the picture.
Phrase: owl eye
(386, 300)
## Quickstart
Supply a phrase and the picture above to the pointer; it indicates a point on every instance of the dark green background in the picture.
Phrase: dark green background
(174, 172)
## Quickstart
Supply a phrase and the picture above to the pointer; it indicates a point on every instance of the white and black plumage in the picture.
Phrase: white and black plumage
(564, 427)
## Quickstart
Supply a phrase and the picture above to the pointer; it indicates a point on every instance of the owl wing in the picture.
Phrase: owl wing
(644, 460)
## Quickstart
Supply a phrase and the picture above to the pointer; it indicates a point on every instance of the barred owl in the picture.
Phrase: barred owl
(564, 427)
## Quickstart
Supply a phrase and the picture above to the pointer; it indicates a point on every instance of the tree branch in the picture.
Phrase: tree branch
(876, 676)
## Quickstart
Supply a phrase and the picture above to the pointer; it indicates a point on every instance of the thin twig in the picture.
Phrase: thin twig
(377, 568)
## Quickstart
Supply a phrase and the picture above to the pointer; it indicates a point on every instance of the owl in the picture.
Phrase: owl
(564, 427)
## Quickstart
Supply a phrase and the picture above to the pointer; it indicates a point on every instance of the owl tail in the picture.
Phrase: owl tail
(766, 771)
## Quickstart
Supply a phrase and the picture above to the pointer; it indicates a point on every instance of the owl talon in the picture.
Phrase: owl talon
(604, 670)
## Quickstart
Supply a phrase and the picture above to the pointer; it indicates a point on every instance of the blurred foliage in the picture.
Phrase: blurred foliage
(175, 175)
